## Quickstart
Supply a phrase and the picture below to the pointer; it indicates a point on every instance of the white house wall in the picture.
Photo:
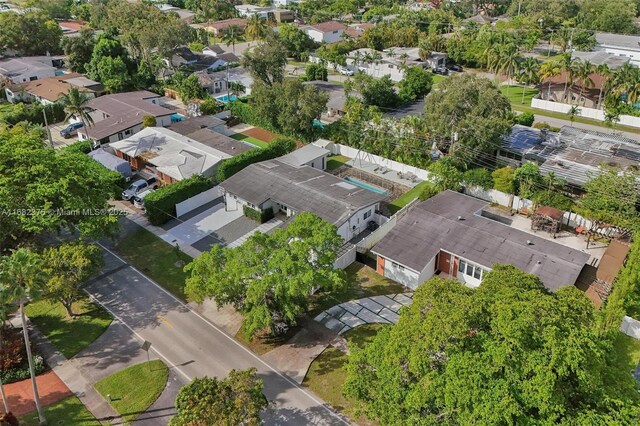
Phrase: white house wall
(405, 276)
(634, 55)
(357, 223)
(428, 272)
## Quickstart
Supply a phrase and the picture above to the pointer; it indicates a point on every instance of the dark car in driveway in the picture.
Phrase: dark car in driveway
(71, 130)
(441, 70)
(455, 68)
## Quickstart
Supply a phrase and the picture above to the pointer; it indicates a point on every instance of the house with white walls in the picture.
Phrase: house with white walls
(627, 46)
(451, 235)
(325, 32)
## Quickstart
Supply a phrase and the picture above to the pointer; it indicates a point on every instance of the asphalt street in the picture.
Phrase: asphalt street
(194, 347)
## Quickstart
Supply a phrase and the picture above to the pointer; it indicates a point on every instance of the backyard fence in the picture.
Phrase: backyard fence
(372, 239)
(346, 256)
(196, 201)
(595, 114)
(630, 327)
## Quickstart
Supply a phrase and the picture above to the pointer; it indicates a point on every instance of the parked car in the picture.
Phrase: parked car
(346, 71)
(138, 200)
(138, 186)
(441, 70)
(455, 68)
(71, 130)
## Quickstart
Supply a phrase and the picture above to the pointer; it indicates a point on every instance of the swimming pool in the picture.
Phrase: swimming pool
(317, 123)
(225, 98)
(366, 186)
(176, 117)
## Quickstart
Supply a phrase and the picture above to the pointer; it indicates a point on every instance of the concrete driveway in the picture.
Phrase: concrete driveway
(200, 226)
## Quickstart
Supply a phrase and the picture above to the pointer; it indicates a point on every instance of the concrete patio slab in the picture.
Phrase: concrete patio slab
(352, 306)
(401, 298)
(389, 315)
(202, 225)
(371, 305)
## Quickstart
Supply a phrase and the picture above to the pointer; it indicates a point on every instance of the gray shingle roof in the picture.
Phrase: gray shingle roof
(433, 225)
(304, 155)
(304, 189)
(618, 40)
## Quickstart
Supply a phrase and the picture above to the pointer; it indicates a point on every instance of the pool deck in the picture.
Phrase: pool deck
(381, 172)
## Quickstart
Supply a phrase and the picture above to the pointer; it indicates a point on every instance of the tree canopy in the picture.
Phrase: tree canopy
(266, 60)
(235, 400)
(508, 352)
(269, 278)
(468, 117)
(30, 33)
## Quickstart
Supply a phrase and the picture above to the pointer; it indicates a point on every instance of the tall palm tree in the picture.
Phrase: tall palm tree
(605, 72)
(75, 103)
(237, 88)
(583, 71)
(529, 74)
(22, 277)
(548, 70)
(573, 112)
(567, 64)
(233, 35)
(256, 28)
(611, 118)
(507, 61)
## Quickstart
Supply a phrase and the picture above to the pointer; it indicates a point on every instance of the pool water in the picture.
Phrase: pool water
(177, 117)
(225, 98)
(366, 186)
(317, 123)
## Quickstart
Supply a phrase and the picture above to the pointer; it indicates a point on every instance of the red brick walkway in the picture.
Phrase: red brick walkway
(50, 388)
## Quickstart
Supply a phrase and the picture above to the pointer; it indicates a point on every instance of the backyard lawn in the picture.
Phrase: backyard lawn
(156, 259)
(69, 411)
(362, 281)
(336, 161)
(132, 390)
(327, 372)
(407, 197)
(249, 139)
(514, 94)
(69, 335)
(437, 78)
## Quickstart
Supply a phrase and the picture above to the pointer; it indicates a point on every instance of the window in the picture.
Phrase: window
(470, 270)
(477, 273)
(33, 78)
(367, 214)
(461, 266)
(127, 132)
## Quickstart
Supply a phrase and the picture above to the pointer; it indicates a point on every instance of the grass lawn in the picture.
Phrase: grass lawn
(627, 350)
(327, 372)
(362, 281)
(69, 335)
(407, 197)
(335, 161)
(157, 259)
(262, 345)
(437, 78)
(134, 389)
(69, 411)
(249, 139)
(514, 94)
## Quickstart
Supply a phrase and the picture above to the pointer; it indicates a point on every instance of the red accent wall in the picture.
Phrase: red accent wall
(380, 265)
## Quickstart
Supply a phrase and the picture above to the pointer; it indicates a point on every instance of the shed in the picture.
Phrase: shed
(112, 162)
(548, 219)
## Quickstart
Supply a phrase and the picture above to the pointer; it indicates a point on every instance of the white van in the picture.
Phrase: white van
(138, 200)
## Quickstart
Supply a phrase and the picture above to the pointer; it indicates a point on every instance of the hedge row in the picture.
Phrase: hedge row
(160, 205)
(21, 373)
(257, 215)
(277, 148)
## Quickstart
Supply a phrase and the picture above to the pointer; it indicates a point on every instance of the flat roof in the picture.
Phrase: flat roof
(618, 40)
(451, 221)
(304, 189)
(304, 155)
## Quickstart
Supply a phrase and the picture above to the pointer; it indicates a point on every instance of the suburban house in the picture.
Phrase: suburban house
(356, 30)
(392, 61)
(213, 50)
(627, 46)
(269, 13)
(168, 154)
(450, 235)
(289, 190)
(112, 162)
(182, 56)
(309, 155)
(29, 68)
(285, 3)
(185, 15)
(72, 28)
(49, 90)
(572, 154)
(325, 32)
(118, 116)
(218, 27)
(215, 83)
(212, 132)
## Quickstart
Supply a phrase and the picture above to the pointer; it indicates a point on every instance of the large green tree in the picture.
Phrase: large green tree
(78, 50)
(235, 400)
(43, 190)
(68, 267)
(468, 117)
(269, 278)
(416, 84)
(266, 60)
(378, 92)
(296, 41)
(29, 33)
(509, 352)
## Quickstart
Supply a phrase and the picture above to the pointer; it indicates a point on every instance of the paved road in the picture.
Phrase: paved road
(193, 347)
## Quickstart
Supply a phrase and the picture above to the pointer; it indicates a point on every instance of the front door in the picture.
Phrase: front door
(444, 262)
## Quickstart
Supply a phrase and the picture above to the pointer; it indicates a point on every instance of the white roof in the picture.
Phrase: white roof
(304, 155)
(173, 154)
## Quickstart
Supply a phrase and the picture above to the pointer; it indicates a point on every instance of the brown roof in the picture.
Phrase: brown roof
(52, 88)
(612, 261)
(598, 80)
(551, 212)
(328, 27)
(73, 25)
(226, 23)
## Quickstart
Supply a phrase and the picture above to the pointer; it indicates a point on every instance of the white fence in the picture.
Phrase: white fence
(196, 201)
(372, 239)
(585, 112)
(350, 152)
(346, 258)
(630, 327)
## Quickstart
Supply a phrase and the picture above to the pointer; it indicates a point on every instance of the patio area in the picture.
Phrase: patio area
(407, 180)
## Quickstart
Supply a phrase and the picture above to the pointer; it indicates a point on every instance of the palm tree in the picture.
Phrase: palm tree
(605, 72)
(583, 71)
(22, 277)
(75, 103)
(611, 118)
(233, 35)
(529, 69)
(507, 61)
(403, 57)
(256, 28)
(237, 88)
(567, 65)
(573, 112)
(548, 70)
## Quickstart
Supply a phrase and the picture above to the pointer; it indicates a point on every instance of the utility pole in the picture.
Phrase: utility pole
(228, 98)
(46, 126)
(519, 6)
